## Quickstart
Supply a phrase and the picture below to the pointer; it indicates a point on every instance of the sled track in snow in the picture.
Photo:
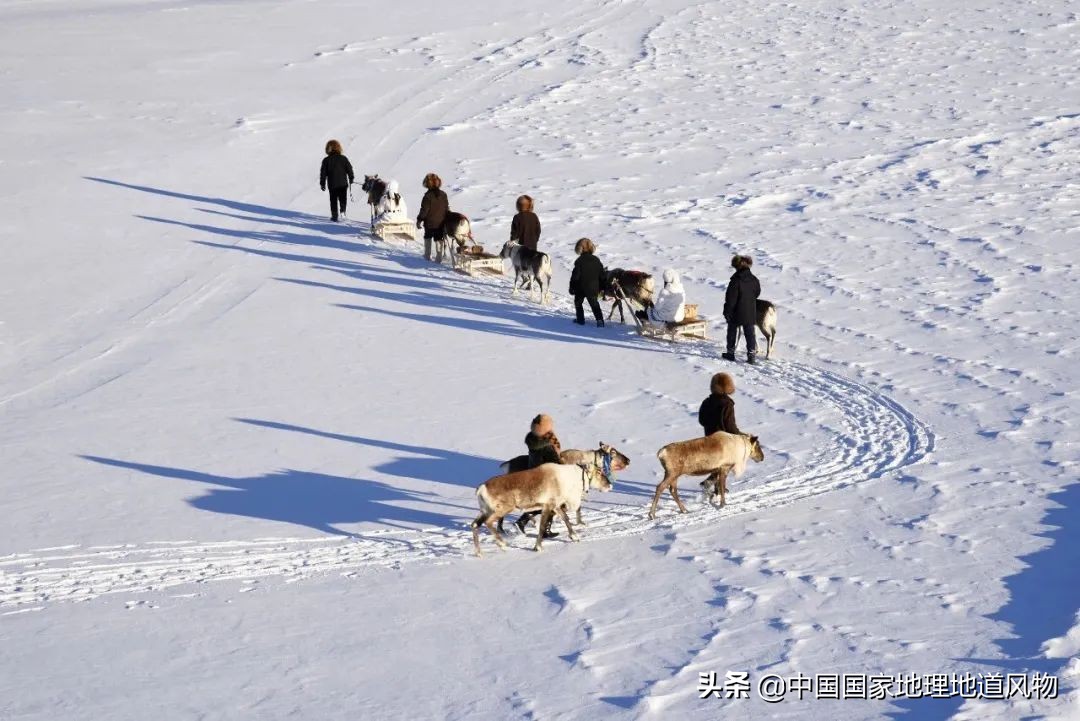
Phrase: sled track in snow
(877, 436)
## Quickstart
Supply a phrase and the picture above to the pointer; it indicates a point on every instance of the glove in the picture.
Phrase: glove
(322, 187)
(418, 224)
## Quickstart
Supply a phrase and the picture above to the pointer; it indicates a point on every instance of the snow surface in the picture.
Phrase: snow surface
(202, 379)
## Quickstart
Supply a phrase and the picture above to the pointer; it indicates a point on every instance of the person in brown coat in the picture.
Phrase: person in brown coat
(433, 210)
(525, 227)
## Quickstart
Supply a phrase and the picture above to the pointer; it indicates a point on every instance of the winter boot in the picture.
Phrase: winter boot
(751, 357)
(600, 323)
(729, 356)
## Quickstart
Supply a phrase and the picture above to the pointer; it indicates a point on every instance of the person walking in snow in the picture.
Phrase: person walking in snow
(337, 173)
(544, 447)
(740, 307)
(433, 210)
(670, 306)
(525, 227)
(717, 412)
(586, 281)
(391, 207)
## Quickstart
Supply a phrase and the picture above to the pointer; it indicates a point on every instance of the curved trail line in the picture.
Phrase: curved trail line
(876, 435)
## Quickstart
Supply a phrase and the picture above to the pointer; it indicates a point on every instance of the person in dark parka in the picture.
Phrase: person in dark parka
(544, 447)
(525, 227)
(337, 173)
(586, 281)
(717, 412)
(433, 210)
(740, 307)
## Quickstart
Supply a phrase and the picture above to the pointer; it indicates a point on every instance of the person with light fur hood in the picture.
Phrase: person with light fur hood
(670, 306)
(391, 207)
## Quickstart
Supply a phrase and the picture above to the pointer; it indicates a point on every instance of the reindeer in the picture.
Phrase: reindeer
(766, 323)
(550, 487)
(714, 455)
(374, 186)
(635, 286)
(607, 459)
(529, 265)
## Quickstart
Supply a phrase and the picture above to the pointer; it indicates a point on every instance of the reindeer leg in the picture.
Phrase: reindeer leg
(493, 527)
(674, 488)
(545, 522)
(580, 521)
(566, 522)
(482, 518)
(517, 280)
(660, 487)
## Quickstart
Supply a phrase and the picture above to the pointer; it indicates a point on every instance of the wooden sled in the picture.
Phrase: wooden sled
(694, 327)
(397, 229)
(474, 261)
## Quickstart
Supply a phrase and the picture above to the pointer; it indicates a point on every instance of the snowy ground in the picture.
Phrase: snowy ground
(240, 442)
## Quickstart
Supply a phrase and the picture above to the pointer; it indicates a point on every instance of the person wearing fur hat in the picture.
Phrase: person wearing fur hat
(717, 412)
(740, 307)
(337, 173)
(542, 442)
(525, 227)
(433, 210)
(544, 447)
(586, 281)
(670, 306)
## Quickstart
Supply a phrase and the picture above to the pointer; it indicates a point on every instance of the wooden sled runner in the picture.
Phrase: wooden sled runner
(693, 326)
(399, 229)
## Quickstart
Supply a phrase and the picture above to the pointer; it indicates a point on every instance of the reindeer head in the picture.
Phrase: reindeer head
(755, 449)
(369, 182)
(617, 460)
(596, 477)
(508, 249)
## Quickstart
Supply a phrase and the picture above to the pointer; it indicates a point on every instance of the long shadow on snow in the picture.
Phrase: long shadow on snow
(505, 318)
(436, 464)
(422, 463)
(1042, 605)
(319, 500)
(272, 236)
(234, 204)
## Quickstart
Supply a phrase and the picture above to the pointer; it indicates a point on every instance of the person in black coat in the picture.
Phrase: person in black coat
(525, 227)
(433, 210)
(544, 447)
(586, 281)
(740, 307)
(717, 412)
(337, 173)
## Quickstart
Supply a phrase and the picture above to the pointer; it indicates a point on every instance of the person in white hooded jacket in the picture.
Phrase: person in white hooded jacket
(670, 304)
(391, 207)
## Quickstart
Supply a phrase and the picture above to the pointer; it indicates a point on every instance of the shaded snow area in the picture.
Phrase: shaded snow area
(241, 443)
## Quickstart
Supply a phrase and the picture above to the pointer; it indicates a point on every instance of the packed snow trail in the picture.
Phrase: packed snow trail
(878, 436)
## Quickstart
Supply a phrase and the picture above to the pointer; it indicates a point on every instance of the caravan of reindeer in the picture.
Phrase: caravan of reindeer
(556, 488)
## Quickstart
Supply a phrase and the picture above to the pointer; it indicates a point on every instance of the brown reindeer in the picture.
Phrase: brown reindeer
(714, 455)
(550, 487)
